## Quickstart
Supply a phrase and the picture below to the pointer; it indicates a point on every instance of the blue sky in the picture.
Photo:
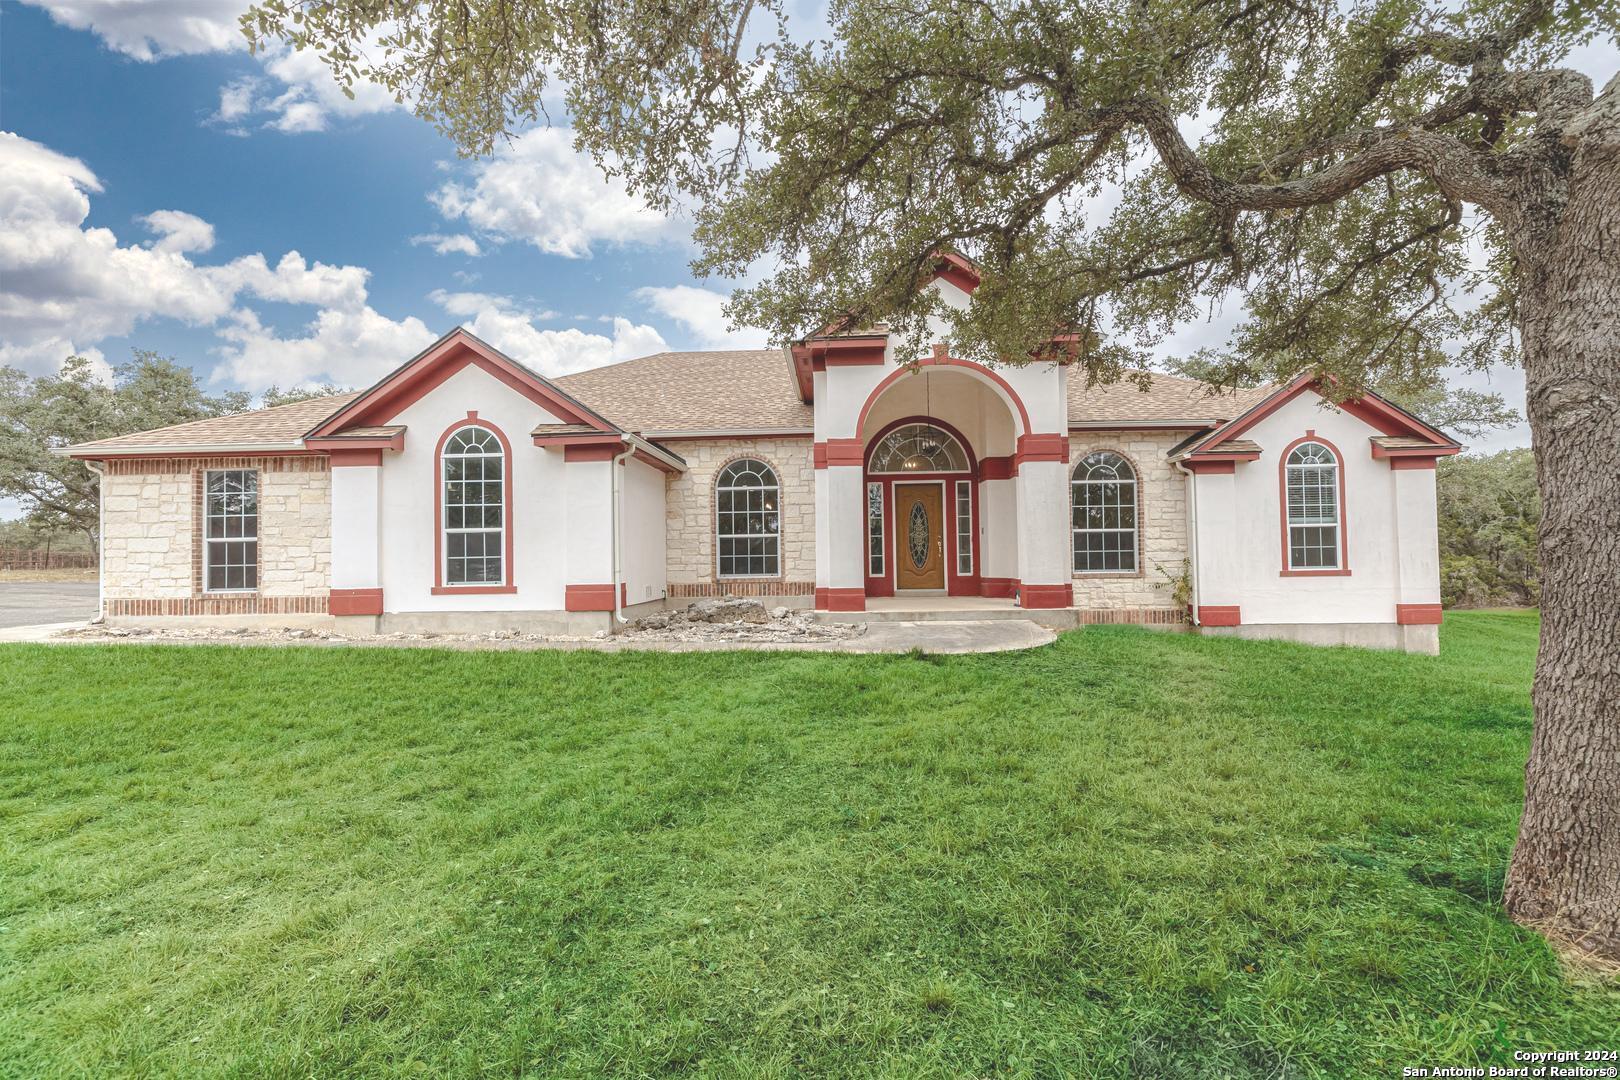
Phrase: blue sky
(161, 188)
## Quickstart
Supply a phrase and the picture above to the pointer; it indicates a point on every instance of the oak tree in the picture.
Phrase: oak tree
(1382, 187)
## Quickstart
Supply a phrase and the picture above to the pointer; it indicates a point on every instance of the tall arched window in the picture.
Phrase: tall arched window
(472, 469)
(1102, 500)
(748, 520)
(1314, 523)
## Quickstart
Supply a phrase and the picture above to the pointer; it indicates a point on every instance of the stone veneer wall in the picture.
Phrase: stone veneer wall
(152, 537)
(1162, 528)
(689, 537)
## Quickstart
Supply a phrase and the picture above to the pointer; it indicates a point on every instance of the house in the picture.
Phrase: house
(466, 492)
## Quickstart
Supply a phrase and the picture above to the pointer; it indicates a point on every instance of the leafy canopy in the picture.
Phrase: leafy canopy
(1337, 150)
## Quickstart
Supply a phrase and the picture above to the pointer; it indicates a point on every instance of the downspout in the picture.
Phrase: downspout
(613, 491)
(1192, 535)
(100, 470)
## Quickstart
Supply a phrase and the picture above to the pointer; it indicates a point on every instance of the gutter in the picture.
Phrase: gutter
(613, 515)
(100, 469)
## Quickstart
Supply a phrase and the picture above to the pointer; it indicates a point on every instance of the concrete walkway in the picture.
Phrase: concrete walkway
(886, 637)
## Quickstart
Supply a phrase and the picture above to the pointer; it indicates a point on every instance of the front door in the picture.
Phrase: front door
(919, 534)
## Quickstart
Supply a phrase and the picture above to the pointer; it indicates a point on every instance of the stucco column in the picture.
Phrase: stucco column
(356, 587)
(1042, 492)
(1417, 554)
(1219, 559)
(587, 476)
(843, 556)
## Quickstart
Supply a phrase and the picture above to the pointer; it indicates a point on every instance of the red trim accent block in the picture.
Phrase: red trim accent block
(845, 452)
(588, 597)
(844, 599)
(1217, 467)
(1046, 596)
(352, 457)
(394, 442)
(1044, 447)
(818, 455)
(1417, 614)
(593, 451)
(998, 468)
(1412, 462)
(821, 598)
(355, 602)
(1220, 615)
(1003, 587)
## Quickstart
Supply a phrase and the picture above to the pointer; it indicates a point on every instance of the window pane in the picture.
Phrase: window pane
(1104, 514)
(747, 520)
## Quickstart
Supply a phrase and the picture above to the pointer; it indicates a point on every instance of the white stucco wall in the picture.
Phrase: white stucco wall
(642, 532)
(543, 521)
(1240, 537)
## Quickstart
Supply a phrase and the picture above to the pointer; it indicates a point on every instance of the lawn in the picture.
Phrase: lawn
(1128, 853)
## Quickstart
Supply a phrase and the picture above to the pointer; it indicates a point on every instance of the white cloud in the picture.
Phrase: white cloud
(154, 29)
(356, 346)
(506, 325)
(453, 244)
(536, 189)
(179, 231)
(701, 312)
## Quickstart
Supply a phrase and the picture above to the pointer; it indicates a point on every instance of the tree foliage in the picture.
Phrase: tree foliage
(1489, 517)
(43, 412)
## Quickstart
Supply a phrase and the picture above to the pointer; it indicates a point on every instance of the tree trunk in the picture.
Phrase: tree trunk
(1565, 874)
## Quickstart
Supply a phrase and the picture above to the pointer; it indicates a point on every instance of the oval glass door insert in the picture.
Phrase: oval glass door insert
(917, 536)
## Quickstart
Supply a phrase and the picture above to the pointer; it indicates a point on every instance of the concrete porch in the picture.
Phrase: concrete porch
(986, 609)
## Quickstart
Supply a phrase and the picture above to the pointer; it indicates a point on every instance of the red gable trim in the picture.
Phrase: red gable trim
(1370, 409)
(958, 270)
(429, 369)
(394, 442)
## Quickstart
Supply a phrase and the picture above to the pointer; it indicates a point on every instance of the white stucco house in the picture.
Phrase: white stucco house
(464, 491)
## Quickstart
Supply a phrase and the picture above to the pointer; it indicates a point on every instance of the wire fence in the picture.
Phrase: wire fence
(46, 559)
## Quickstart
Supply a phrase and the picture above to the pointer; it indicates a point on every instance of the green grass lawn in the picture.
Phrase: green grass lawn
(1129, 853)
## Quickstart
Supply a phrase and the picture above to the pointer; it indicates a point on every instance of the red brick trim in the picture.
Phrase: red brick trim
(1417, 614)
(1220, 615)
(588, 597)
(1412, 462)
(593, 451)
(818, 455)
(169, 463)
(352, 457)
(1045, 596)
(394, 442)
(998, 468)
(998, 586)
(685, 590)
(356, 602)
(821, 598)
(1042, 447)
(228, 604)
(845, 600)
(845, 452)
(1131, 616)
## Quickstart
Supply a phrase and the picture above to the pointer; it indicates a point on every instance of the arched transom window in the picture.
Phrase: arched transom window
(1103, 502)
(748, 520)
(473, 469)
(918, 448)
(1312, 483)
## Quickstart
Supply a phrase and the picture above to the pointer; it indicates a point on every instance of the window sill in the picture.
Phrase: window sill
(1107, 575)
(229, 592)
(1313, 573)
(471, 590)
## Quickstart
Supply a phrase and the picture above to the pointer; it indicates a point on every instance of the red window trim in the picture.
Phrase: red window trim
(956, 584)
(1343, 569)
(439, 587)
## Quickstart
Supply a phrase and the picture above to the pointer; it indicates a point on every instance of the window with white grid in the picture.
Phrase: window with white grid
(1313, 508)
(874, 530)
(231, 531)
(474, 468)
(964, 527)
(1102, 499)
(748, 520)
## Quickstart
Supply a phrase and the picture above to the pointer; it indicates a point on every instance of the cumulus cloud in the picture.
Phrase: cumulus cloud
(64, 287)
(452, 244)
(177, 230)
(509, 326)
(537, 190)
(702, 313)
(154, 29)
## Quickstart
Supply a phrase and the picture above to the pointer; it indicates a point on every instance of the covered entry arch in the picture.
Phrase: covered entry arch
(922, 509)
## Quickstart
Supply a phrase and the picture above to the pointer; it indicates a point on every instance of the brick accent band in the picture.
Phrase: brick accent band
(1042, 447)
(998, 586)
(1417, 614)
(280, 463)
(1220, 615)
(356, 602)
(845, 600)
(685, 590)
(246, 604)
(588, 597)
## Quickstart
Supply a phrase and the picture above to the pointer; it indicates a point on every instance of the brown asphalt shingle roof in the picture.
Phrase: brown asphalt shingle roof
(280, 425)
(695, 391)
(690, 392)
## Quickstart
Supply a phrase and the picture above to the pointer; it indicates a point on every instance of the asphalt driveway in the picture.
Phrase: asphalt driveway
(25, 603)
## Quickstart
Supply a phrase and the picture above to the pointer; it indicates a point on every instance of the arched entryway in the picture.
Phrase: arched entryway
(922, 512)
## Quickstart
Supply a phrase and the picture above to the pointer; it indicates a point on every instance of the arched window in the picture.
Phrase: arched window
(748, 520)
(918, 448)
(472, 468)
(1102, 500)
(1314, 523)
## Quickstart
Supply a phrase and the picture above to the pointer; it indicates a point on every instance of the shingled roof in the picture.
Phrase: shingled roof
(693, 393)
